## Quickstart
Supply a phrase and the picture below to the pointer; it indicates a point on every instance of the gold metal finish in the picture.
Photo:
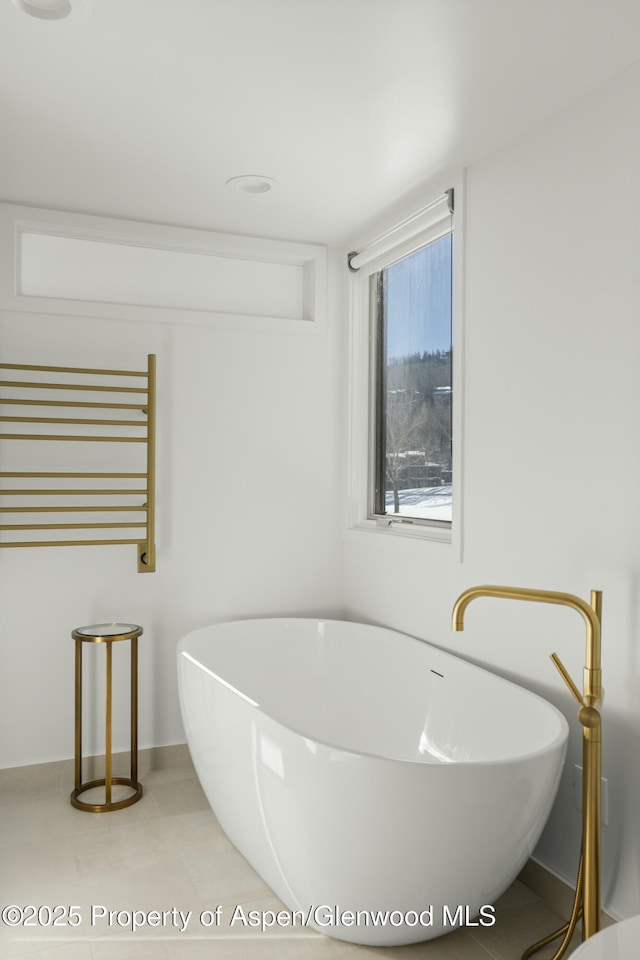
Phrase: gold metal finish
(147, 550)
(564, 673)
(83, 420)
(66, 526)
(71, 509)
(102, 388)
(91, 370)
(64, 543)
(567, 930)
(76, 403)
(589, 715)
(89, 491)
(66, 474)
(146, 509)
(82, 635)
(593, 672)
(69, 436)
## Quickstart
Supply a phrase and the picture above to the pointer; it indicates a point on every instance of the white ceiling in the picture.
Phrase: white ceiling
(146, 108)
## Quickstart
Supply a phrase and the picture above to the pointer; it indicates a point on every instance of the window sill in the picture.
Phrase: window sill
(414, 531)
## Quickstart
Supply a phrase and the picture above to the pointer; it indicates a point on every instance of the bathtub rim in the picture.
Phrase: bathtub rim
(559, 741)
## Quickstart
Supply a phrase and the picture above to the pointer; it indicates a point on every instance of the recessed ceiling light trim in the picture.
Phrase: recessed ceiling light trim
(252, 183)
(52, 9)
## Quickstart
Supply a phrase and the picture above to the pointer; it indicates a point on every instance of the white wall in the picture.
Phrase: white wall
(249, 467)
(551, 448)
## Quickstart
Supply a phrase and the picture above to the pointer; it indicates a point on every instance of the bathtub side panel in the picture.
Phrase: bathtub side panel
(221, 733)
(374, 835)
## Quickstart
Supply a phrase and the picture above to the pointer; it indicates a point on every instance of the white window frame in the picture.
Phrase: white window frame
(396, 242)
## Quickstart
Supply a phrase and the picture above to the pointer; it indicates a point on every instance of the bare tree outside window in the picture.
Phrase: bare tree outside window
(414, 442)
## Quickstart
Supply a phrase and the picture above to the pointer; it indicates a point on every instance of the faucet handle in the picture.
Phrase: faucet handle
(564, 673)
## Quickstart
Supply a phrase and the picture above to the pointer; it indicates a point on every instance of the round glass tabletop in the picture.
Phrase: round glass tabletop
(107, 629)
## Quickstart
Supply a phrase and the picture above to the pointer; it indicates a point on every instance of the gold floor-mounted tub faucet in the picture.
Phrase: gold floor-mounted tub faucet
(587, 898)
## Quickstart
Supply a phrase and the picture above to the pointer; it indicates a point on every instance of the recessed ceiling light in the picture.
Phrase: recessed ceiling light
(251, 184)
(51, 9)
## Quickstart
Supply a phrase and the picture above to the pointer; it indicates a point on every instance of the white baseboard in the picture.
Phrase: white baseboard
(61, 772)
(554, 891)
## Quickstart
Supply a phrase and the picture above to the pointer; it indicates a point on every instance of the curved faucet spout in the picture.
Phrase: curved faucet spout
(590, 613)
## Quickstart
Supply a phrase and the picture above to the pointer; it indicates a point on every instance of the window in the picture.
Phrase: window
(404, 451)
(74, 264)
(411, 469)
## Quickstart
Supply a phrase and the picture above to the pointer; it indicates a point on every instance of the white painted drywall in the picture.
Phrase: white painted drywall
(249, 476)
(551, 447)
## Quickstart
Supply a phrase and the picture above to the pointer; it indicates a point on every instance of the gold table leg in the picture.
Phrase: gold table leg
(95, 635)
(134, 708)
(78, 717)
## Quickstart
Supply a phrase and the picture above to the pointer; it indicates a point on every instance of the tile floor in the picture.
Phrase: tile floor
(165, 852)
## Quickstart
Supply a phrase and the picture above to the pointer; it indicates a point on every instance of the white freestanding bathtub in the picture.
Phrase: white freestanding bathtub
(386, 791)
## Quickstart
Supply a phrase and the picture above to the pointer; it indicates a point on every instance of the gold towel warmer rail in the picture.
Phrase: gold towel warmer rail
(146, 546)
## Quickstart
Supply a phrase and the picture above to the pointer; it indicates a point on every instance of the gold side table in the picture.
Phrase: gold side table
(107, 633)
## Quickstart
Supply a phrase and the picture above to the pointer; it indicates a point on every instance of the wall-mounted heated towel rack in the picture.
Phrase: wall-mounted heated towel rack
(45, 492)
